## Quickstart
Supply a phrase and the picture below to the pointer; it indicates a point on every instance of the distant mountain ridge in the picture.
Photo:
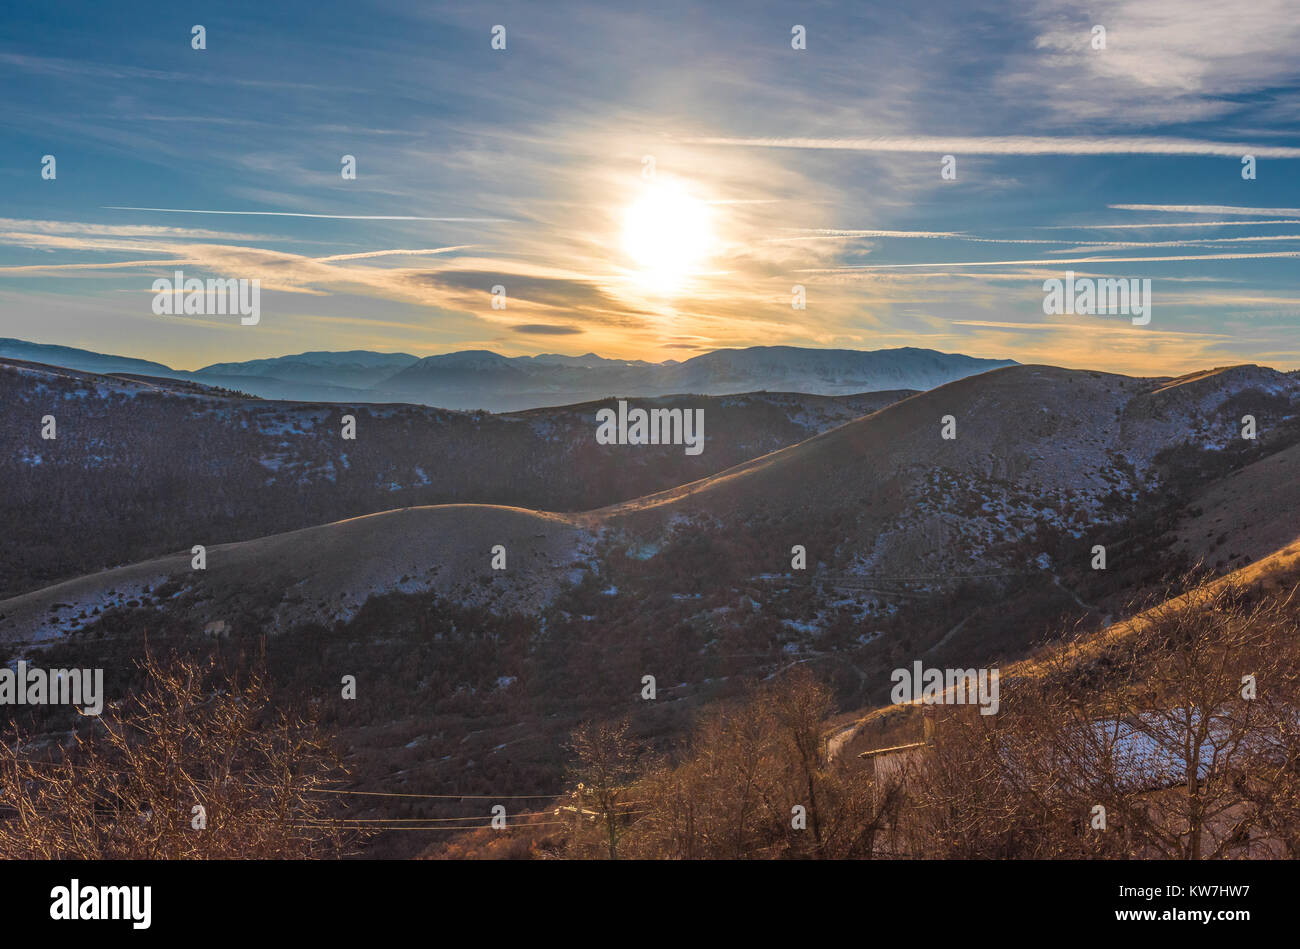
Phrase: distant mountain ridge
(482, 379)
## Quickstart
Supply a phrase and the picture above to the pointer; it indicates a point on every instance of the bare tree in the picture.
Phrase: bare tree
(734, 790)
(193, 765)
(1173, 736)
(606, 764)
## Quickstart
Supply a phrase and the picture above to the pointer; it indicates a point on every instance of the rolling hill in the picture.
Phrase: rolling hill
(326, 573)
(1036, 449)
(143, 465)
(1044, 461)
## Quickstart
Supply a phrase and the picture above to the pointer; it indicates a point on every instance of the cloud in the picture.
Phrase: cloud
(546, 329)
(37, 269)
(536, 159)
(1101, 245)
(1165, 61)
(336, 217)
(1205, 209)
(1017, 145)
(1071, 260)
(1162, 224)
(122, 230)
(473, 289)
(1002, 324)
(396, 252)
(826, 233)
(64, 68)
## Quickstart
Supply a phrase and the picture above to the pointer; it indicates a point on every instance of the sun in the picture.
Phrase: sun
(667, 234)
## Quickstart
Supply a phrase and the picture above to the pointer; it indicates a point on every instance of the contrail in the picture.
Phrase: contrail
(119, 265)
(1072, 260)
(336, 217)
(1155, 224)
(1015, 145)
(1083, 246)
(412, 252)
(1203, 209)
(828, 234)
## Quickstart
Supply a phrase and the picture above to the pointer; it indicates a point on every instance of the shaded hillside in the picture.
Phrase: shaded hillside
(1038, 451)
(144, 465)
(325, 573)
(952, 549)
(1246, 514)
(1274, 573)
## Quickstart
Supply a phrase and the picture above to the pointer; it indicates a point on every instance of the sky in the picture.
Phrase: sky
(652, 181)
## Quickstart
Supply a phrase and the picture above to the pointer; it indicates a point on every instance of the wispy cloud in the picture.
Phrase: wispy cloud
(337, 217)
(1017, 145)
(1205, 209)
(1150, 225)
(1211, 241)
(1165, 61)
(123, 230)
(824, 233)
(397, 252)
(1070, 260)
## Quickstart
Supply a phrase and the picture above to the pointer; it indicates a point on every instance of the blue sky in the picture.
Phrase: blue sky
(772, 167)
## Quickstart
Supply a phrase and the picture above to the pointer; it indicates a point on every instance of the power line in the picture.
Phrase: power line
(482, 797)
(416, 820)
(329, 823)
(440, 797)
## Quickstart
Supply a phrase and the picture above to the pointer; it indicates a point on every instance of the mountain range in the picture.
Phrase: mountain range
(481, 379)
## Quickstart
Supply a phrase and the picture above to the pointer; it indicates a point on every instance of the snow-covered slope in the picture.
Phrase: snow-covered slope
(1037, 449)
(326, 573)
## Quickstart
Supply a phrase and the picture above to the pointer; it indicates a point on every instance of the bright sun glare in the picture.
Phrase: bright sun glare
(667, 234)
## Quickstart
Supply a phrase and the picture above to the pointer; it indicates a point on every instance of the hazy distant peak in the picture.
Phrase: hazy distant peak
(483, 379)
